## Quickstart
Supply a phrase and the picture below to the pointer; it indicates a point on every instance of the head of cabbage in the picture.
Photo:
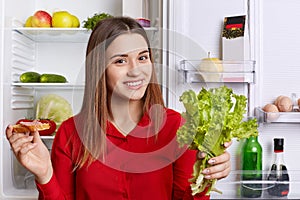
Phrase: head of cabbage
(53, 107)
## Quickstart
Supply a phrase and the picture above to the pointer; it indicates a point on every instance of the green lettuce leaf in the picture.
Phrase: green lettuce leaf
(213, 117)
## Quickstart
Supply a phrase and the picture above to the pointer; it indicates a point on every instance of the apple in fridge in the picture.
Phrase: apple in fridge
(41, 18)
(211, 69)
(62, 19)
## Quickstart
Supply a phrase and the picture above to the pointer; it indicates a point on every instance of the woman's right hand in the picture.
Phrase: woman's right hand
(32, 153)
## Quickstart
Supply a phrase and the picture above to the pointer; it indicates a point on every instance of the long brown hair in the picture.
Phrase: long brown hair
(92, 120)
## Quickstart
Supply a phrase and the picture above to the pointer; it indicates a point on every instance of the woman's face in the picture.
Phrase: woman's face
(129, 67)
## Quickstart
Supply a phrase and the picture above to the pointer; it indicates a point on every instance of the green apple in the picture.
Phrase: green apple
(62, 19)
(28, 22)
(76, 22)
(211, 68)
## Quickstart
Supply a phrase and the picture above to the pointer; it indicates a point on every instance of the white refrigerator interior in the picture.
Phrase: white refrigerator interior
(46, 50)
(189, 30)
(58, 52)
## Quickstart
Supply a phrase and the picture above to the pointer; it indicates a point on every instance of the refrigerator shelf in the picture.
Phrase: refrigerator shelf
(73, 35)
(23, 94)
(199, 71)
(276, 117)
(48, 85)
(50, 137)
(79, 35)
(233, 182)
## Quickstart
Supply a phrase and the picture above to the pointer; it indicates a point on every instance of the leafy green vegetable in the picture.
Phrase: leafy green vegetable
(91, 22)
(213, 117)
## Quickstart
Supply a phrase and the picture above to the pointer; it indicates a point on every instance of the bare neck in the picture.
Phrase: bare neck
(126, 114)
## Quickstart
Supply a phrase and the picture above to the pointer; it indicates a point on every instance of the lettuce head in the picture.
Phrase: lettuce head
(53, 107)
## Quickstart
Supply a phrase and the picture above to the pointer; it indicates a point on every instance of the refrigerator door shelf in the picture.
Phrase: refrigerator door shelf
(277, 117)
(197, 71)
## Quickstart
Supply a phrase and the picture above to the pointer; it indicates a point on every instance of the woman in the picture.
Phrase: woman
(122, 145)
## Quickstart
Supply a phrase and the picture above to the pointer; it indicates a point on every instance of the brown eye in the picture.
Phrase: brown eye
(144, 57)
(120, 61)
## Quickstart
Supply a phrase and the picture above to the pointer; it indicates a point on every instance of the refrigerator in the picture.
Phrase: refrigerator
(181, 33)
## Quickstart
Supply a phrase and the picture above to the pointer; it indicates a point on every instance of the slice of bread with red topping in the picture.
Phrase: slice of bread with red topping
(25, 127)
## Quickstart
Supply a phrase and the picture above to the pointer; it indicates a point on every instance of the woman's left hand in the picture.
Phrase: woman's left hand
(221, 165)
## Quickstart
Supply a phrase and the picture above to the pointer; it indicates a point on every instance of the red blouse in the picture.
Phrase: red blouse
(139, 166)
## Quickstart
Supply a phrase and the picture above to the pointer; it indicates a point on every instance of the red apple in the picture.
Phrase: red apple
(41, 19)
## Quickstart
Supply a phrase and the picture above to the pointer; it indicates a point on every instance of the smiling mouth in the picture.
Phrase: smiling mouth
(134, 83)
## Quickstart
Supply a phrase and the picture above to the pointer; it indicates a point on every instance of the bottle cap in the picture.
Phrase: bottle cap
(278, 144)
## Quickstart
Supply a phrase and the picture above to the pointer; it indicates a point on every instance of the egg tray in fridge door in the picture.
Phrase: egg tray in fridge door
(283, 110)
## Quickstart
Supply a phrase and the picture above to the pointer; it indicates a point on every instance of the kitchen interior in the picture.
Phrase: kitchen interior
(183, 33)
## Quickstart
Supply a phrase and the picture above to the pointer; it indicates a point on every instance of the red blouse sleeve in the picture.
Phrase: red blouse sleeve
(63, 170)
(183, 169)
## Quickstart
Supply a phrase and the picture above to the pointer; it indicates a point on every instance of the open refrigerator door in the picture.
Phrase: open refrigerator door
(265, 76)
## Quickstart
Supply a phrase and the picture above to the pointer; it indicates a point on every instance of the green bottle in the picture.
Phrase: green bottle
(252, 168)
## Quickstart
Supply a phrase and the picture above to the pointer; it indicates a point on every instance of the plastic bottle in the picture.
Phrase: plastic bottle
(252, 168)
(278, 172)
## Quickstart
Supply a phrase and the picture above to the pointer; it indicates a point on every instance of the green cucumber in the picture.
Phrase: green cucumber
(52, 78)
(30, 77)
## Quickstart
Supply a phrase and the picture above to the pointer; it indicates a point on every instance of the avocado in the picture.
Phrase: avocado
(30, 77)
(52, 78)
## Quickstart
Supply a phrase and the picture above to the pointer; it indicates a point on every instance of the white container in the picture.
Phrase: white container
(235, 39)
(135, 8)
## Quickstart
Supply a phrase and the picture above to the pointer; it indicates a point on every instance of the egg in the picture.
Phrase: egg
(272, 112)
(278, 99)
(284, 104)
(270, 108)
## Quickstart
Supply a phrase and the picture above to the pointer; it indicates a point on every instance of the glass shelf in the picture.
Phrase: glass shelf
(79, 35)
(50, 137)
(72, 35)
(48, 85)
(231, 185)
(199, 71)
(277, 117)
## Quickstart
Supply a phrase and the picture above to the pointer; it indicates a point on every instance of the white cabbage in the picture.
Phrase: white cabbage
(53, 107)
